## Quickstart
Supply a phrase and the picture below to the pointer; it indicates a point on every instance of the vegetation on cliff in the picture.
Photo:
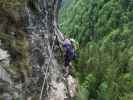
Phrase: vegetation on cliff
(11, 3)
(13, 37)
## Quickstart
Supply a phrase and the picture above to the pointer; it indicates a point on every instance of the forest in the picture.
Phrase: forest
(104, 29)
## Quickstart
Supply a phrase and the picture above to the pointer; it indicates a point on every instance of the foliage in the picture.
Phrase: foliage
(13, 38)
(104, 29)
(11, 3)
(17, 47)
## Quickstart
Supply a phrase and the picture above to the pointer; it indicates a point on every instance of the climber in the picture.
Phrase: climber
(70, 53)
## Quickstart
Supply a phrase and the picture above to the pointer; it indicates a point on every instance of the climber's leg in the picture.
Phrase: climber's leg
(66, 65)
(66, 71)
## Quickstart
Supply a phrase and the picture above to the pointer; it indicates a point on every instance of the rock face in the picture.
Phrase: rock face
(4, 63)
(43, 37)
(47, 81)
(5, 80)
(72, 85)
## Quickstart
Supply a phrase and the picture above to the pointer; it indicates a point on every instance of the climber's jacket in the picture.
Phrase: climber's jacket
(70, 53)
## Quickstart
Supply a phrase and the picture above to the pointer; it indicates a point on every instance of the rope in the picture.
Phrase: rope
(59, 38)
(47, 67)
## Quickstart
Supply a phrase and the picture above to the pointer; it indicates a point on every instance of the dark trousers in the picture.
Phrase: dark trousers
(67, 60)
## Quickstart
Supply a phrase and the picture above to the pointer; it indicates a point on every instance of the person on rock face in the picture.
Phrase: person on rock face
(70, 53)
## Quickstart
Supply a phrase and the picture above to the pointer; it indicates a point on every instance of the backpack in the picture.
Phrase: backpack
(74, 44)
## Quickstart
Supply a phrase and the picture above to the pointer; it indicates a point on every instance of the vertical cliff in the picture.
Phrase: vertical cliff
(32, 51)
(44, 36)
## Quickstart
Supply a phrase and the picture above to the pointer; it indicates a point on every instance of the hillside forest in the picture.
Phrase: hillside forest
(104, 30)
